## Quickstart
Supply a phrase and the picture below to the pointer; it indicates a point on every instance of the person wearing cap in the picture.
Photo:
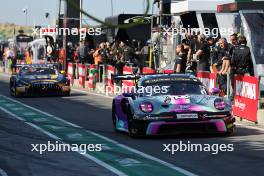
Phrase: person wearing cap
(241, 62)
(241, 58)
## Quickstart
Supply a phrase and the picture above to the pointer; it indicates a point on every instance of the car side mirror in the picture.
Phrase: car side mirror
(214, 91)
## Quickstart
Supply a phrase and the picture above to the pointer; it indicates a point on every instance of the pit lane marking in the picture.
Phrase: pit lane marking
(74, 135)
(129, 162)
(17, 109)
(99, 162)
(10, 105)
(91, 93)
(250, 127)
(29, 114)
(151, 162)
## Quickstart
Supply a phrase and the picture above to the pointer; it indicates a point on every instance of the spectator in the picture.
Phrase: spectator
(241, 62)
(181, 59)
(233, 43)
(241, 58)
(49, 53)
(222, 63)
(1, 52)
(28, 56)
(145, 54)
(119, 61)
(128, 52)
(11, 56)
(97, 55)
(76, 53)
(222, 60)
(189, 46)
(203, 54)
(85, 53)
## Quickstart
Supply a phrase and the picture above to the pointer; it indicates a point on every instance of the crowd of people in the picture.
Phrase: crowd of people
(194, 53)
(118, 54)
(205, 53)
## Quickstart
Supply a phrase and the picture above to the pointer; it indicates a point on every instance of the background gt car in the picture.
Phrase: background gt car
(186, 107)
(39, 80)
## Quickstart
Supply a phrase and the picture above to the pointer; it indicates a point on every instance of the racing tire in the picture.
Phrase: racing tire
(133, 130)
(10, 89)
(15, 92)
(68, 94)
(231, 132)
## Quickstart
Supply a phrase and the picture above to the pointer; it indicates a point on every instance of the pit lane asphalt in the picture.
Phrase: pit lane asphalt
(94, 113)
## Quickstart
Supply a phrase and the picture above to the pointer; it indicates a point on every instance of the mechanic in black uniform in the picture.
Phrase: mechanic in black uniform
(241, 62)
(241, 59)
(203, 54)
(181, 59)
(222, 54)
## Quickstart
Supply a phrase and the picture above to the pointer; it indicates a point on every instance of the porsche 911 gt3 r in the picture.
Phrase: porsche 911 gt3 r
(186, 107)
(39, 80)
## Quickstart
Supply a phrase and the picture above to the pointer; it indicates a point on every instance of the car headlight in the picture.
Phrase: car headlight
(219, 104)
(64, 82)
(146, 107)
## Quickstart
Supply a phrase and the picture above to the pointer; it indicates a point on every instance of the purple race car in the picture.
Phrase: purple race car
(170, 104)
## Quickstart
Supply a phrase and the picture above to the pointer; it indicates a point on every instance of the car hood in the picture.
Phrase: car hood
(40, 78)
(181, 103)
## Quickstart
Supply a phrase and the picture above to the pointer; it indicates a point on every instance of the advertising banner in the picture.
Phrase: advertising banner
(246, 97)
(82, 74)
(208, 79)
(70, 73)
(110, 71)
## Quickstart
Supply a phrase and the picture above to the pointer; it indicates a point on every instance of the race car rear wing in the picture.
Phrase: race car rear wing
(125, 77)
(19, 66)
(138, 76)
(36, 65)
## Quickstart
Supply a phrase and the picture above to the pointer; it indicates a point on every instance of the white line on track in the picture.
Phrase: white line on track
(248, 126)
(6, 75)
(3, 173)
(183, 171)
(99, 162)
(91, 93)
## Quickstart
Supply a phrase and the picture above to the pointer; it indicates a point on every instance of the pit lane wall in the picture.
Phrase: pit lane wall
(98, 79)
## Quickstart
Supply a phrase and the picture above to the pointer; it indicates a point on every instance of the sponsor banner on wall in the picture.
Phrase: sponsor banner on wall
(246, 91)
(208, 79)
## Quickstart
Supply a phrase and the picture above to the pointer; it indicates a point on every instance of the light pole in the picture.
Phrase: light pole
(112, 8)
(25, 10)
(81, 18)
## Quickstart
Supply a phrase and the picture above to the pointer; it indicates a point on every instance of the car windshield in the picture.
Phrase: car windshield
(173, 88)
(38, 71)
